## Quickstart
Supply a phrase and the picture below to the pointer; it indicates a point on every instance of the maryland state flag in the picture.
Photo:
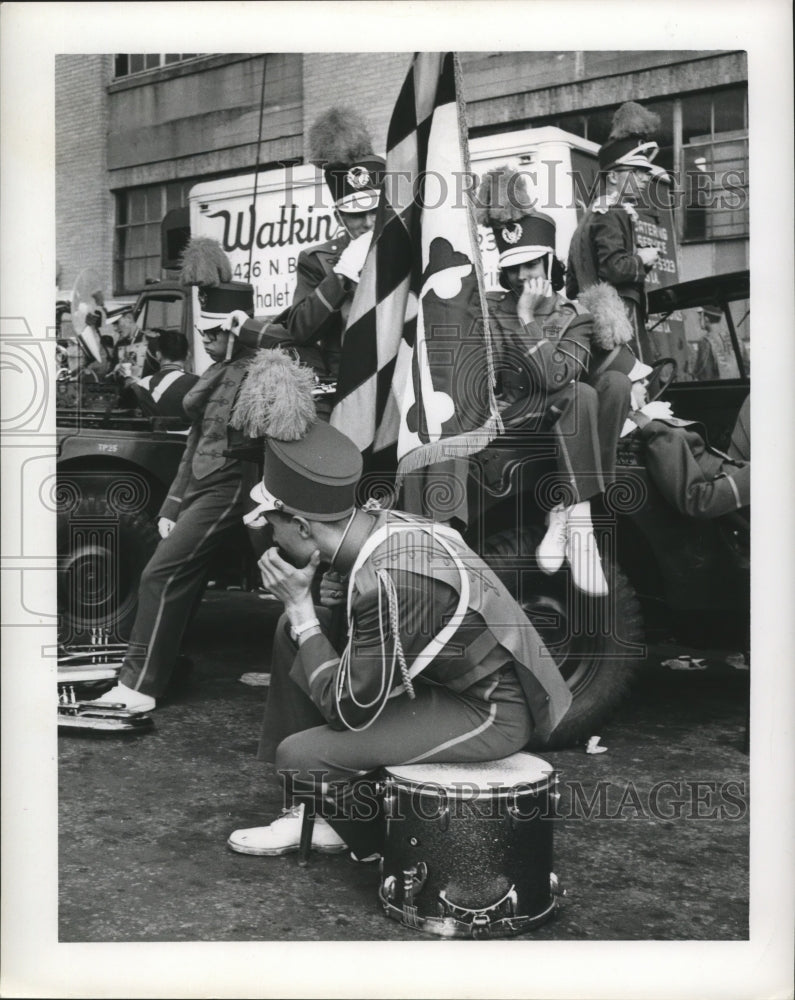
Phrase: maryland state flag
(416, 366)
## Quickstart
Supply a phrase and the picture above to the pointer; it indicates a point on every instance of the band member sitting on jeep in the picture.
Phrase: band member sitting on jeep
(543, 347)
(327, 275)
(695, 478)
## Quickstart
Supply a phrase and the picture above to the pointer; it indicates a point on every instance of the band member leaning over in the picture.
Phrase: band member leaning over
(327, 275)
(542, 347)
(438, 662)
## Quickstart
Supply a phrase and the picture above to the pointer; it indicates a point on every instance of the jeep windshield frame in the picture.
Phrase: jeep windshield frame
(716, 290)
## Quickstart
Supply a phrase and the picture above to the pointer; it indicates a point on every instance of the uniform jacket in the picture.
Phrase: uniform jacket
(209, 405)
(697, 479)
(162, 394)
(603, 249)
(489, 632)
(314, 322)
(528, 357)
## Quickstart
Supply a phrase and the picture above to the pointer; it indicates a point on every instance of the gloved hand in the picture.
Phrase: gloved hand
(658, 410)
(234, 321)
(352, 257)
(165, 526)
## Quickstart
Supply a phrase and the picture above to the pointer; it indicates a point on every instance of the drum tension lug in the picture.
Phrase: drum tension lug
(555, 887)
(414, 879)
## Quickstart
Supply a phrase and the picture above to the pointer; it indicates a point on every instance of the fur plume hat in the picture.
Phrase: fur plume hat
(505, 205)
(310, 468)
(628, 146)
(340, 143)
(612, 333)
(204, 263)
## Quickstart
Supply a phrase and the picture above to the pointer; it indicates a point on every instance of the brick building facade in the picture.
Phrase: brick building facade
(134, 133)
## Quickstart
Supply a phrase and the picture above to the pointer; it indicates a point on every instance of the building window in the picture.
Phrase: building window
(140, 62)
(703, 141)
(139, 212)
(714, 165)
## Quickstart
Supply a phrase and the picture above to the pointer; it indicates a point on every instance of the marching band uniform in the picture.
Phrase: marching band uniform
(206, 500)
(604, 245)
(439, 662)
(543, 364)
(698, 480)
(327, 275)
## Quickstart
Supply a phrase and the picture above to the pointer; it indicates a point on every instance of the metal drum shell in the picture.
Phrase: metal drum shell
(470, 856)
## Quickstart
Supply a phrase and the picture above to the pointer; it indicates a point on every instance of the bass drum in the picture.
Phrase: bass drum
(468, 847)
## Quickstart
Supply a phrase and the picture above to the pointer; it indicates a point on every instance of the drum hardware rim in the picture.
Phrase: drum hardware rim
(436, 791)
(482, 913)
(450, 927)
(414, 880)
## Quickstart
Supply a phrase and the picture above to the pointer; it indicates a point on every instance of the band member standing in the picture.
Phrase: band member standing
(605, 245)
(207, 499)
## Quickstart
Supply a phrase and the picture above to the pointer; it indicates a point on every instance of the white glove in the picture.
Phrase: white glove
(165, 526)
(234, 321)
(658, 410)
(352, 257)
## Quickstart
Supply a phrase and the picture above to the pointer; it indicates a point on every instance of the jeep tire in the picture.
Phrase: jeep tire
(597, 642)
(101, 555)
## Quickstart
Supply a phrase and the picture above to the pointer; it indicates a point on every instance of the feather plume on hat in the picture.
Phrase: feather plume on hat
(275, 399)
(611, 325)
(633, 119)
(503, 197)
(339, 135)
(204, 262)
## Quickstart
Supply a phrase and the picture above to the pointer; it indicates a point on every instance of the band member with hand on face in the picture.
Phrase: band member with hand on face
(437, 663)
(327, 275)
(542, 348)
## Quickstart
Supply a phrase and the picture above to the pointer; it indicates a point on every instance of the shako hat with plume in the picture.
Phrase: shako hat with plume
(205, 264)
(340, 143)
(628, 145)
(505, 205)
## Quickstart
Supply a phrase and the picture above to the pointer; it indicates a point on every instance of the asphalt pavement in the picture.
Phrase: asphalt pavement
(652, 843)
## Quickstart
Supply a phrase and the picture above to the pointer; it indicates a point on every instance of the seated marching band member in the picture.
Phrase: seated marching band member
(438, 663)
(695, 478)
(327, 275)
(542, 347)
(162, 394)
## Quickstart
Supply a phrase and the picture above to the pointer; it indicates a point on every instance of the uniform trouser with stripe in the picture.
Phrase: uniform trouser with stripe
(576, 432)
(487, 721)
(587, 432)
(172, 582)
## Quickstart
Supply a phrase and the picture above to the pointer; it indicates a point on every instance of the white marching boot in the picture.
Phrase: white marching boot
(551, 550)
(582, 551)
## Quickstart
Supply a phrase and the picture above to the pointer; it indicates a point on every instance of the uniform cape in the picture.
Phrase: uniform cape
(394, 545)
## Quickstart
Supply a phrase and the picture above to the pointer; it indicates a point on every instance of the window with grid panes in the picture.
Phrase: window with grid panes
(714, 165)
(712, 172)
(138, 62)
(139, 212)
